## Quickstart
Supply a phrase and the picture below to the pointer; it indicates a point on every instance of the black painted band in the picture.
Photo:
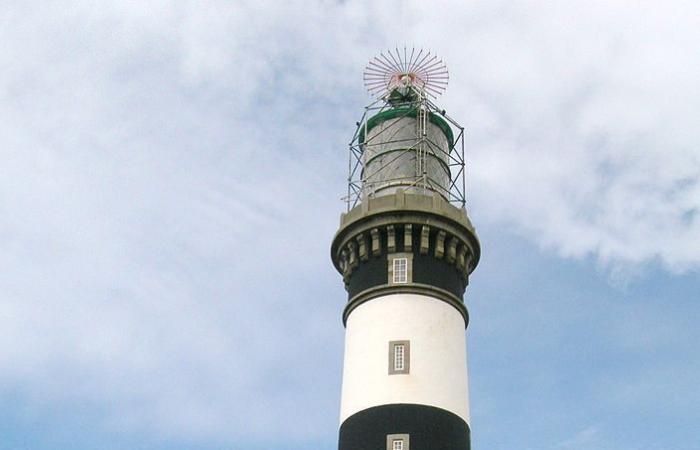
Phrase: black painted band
(426, 267)
(428, 427)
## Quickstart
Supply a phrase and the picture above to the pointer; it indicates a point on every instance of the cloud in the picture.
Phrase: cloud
(154, 257)
(581, 131)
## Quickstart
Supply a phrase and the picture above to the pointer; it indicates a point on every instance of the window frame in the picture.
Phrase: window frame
(405, 354)
(404, 438)
(393, 262)
(400, 272)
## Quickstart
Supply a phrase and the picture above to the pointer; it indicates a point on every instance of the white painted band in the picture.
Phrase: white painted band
(438, 366)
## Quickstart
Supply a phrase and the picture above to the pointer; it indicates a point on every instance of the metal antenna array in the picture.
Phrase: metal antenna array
(424, 71)
(404, 81)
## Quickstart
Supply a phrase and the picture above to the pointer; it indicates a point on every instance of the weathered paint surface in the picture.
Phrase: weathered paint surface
(389, 157)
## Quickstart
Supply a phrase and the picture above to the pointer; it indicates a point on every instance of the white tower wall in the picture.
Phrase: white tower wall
(438, 359)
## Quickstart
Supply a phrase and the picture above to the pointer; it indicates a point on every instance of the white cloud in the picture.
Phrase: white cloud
(589, 146)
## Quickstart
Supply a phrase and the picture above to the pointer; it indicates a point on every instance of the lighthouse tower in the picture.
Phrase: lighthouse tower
(405, 249)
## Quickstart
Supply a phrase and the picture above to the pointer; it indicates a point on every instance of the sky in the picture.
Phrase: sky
(170, 182)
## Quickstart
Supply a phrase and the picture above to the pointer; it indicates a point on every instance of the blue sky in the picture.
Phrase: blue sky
(171, 176)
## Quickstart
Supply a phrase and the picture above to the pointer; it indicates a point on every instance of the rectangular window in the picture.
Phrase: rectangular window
(399, 357)
(400, 270)
(397, 442)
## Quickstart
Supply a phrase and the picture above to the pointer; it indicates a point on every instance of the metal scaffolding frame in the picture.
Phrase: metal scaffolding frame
(360, 186)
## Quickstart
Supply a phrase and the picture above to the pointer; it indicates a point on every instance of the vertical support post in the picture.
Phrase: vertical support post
(464, 171)
(349, 200)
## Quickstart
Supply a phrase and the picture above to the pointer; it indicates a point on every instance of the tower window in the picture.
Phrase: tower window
(397, 442)
(400, 270)
(399, 357)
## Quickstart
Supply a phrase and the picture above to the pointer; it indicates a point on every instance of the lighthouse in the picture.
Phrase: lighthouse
(405, 249)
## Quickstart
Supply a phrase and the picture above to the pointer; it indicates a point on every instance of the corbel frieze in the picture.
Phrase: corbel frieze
(367, 244)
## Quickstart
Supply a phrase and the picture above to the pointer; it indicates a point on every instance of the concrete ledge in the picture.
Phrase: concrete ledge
(434, 204)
